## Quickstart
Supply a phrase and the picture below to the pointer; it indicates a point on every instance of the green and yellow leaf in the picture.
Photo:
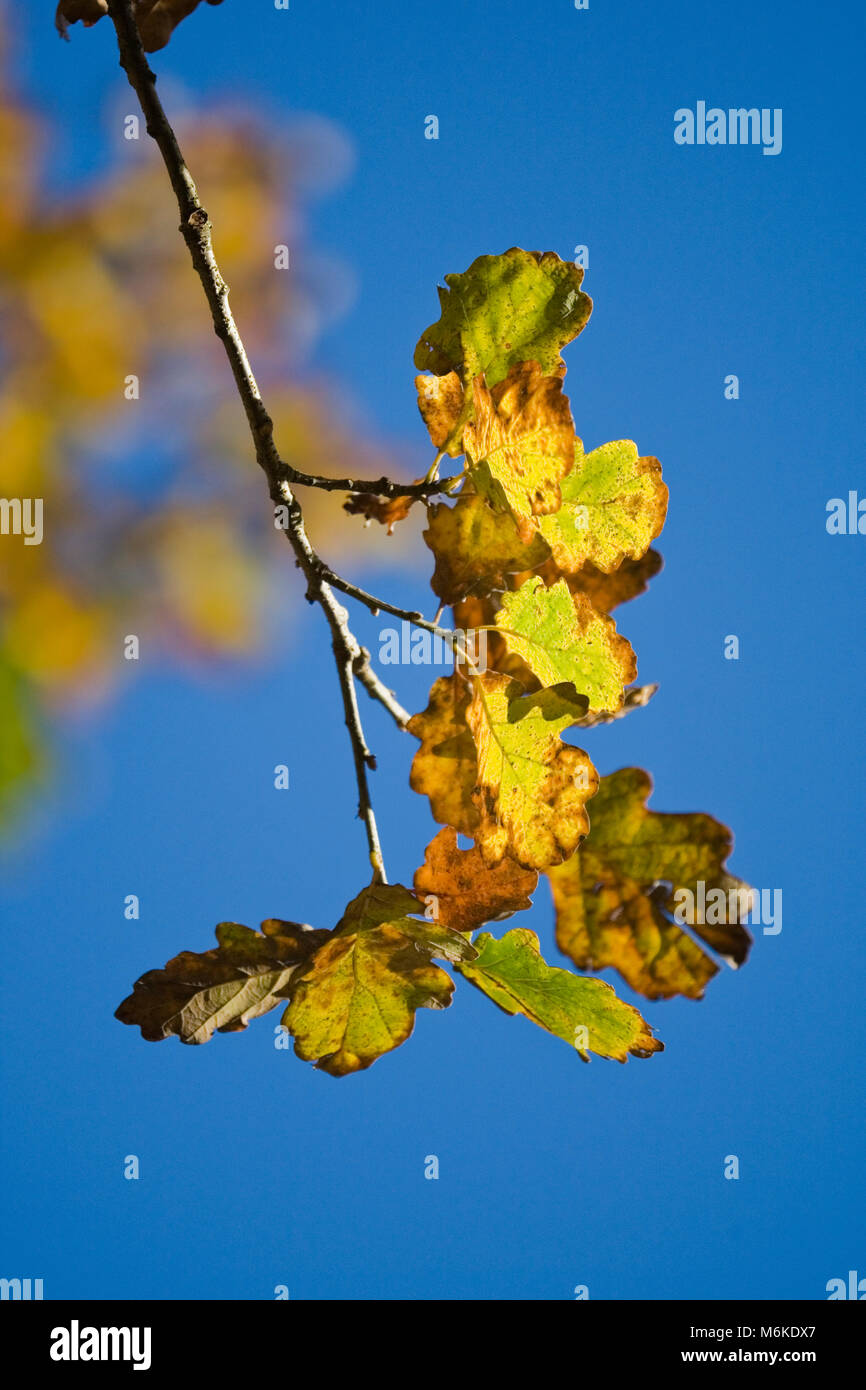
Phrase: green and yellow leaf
(615, 899)
(521, 444)
(585, 1013)
(517, 307)
(613, 505)
(358, 997)
(561, 637)
(531, 789)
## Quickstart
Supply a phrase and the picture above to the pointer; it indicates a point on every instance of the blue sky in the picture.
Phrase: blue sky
(556, 129)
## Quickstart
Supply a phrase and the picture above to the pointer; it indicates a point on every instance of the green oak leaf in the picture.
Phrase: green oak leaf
(585, 1013)
(358, 996)
(613, 504)
(517, 307)
(561, 637)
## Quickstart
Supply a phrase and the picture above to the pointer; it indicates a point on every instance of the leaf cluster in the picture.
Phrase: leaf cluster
(538, 541)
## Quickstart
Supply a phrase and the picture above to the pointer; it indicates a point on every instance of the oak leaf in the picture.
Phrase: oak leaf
(614, 900)
(358, 996)
(469, 892)
(561, 637)
(613, 504)
(585, 1013)
(386, 510)
(156, 19)
(503, 310)
(521, 444)
(443, 769)
(607, 591)
(478, 613)
(473, 613)
(221, 989)
(531, 788)
(475, 548)
(441, 403)
(604, 591)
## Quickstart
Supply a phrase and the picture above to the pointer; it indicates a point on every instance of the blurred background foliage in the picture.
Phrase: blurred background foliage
(156, 517)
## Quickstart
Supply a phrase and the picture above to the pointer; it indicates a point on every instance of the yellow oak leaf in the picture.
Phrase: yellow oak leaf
(521, 444)
(613, 504)
(476, 547)
(441, 403)
(531, 789)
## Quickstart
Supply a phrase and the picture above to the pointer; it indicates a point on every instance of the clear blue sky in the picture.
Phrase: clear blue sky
(556, 129)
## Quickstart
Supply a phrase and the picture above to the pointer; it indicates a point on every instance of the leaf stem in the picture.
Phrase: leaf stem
(433, 471)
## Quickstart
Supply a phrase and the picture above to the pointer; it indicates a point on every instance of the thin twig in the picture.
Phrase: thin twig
(196, 231)
(381, 605)
(381, 487)
(377, 691)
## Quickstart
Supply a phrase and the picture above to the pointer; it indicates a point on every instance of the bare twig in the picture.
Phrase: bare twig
(380, 605)
(196, 231)
(381, 487)
(377, 691)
